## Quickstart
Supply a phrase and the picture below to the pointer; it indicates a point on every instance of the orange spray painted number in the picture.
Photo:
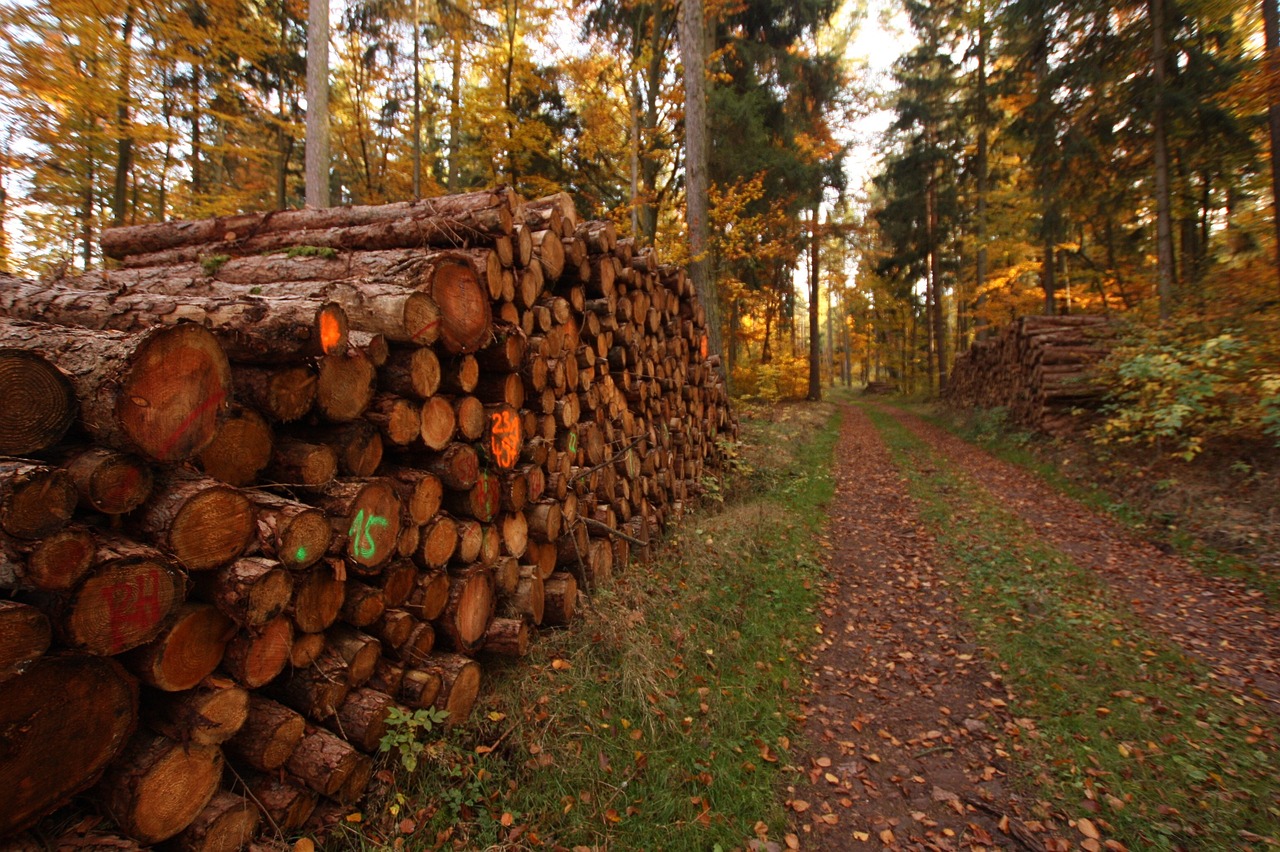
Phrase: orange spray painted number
(504, 439)
(362, 544)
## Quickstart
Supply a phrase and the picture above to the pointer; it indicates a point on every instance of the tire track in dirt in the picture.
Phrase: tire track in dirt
(905, 721)
(1219, 620)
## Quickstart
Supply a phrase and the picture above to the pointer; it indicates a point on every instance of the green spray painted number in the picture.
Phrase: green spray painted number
(300, 555)
(362, 546)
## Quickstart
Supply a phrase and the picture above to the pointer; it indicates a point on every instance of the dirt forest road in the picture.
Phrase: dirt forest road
(912, 741)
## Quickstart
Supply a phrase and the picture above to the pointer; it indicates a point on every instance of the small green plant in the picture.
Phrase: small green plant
(406, 734)
(213, 263)
(311, 251)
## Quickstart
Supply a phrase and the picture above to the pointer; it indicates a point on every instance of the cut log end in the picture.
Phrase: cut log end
(465, 313)
(178, 383)
(40, 403)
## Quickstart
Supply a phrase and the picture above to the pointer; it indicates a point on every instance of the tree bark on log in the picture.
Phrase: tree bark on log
(44, 767)
(240, 449)
(109, 481)
(158, 392)
(158, 786)
(250, 327)
(318, 596)
(186, 651)
(327, 764)
(35, 500)
(201, 522)
(459, 684)
(268, 736)
(25, 635)
(251, 591)
(256, 656)
(228, 822)
(210, 714)
(362, 719)
(293, 533)
(285, 806)
(481, 212)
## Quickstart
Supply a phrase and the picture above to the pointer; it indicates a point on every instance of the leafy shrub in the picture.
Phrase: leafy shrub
(1175, 389)
(784, 378)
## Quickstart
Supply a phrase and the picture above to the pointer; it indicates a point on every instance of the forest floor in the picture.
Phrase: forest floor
(1003, 667)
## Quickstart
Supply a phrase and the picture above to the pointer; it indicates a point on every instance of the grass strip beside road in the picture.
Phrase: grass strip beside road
(1114, 724)
(662, 719)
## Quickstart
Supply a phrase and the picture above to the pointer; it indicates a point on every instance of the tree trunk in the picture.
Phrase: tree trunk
(201, 522)
(317, 154)
(1164, 215)
(1271, 28)
(692, 23)
(815, 351)
(210, 714)
(158, 787)
(186, 651)
(227, 822)
(50, 404)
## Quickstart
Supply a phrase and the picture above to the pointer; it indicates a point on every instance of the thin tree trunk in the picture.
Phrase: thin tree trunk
(980, 273)
(124, 137)
(317, 154)
(455, 112)
(1164, 217)
(417, 99)
(815, 350)
(1271, 26)
(697, 143)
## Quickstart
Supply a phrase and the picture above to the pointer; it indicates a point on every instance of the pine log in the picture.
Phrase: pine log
(295, 534)
(363, 605)
(158, 392)
(44, 766)
(430, 597)
(358, 445)
(55, 563)
(210, 714)
(438, 542)
(186, 651)
(397, 582)
(412, 372)
(419, 689)
(328, 764)
(459, 684)
(393, 628)
(126, 599)
(469, 415)
(476, 215)
(366, 513)
(255, 656)
(286, 806)
(506, 575)
(201, 522)
(362, 718)
(268, 736)
(470, 540)
(295, 462)
(35, 500)
(358, 652)
(387, 677)
(345, 386)
(544, 520)
(482, 501)
(528, 600)
(503, 435)
(560, 594)
(460, 375)
(307, 647)
(420, 491)
(469, 609)
(42, 402)
(240, 449)
(417, 647)
(229, 822)
(507, 636)
(108, 481)
(399, 419)
(316, 691)
(251, 591)
(318, 596)
(158, 786)
(249, 327)
(25, 635)
(281, 393)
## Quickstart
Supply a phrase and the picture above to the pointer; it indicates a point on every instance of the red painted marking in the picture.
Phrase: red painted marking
(486, 489)
(189, 421)
(424, 329)
(330, 332)
(133, 607)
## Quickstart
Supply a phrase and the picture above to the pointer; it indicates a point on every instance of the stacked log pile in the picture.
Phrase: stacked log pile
(278, 474)
(1039, 368)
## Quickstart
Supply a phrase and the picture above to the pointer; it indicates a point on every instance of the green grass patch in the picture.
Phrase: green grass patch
(989, 429)
(1106, 712)
(661, 720)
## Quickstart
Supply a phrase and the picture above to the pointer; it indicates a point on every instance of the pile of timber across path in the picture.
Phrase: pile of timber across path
(1039, 368)
(278, 474)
